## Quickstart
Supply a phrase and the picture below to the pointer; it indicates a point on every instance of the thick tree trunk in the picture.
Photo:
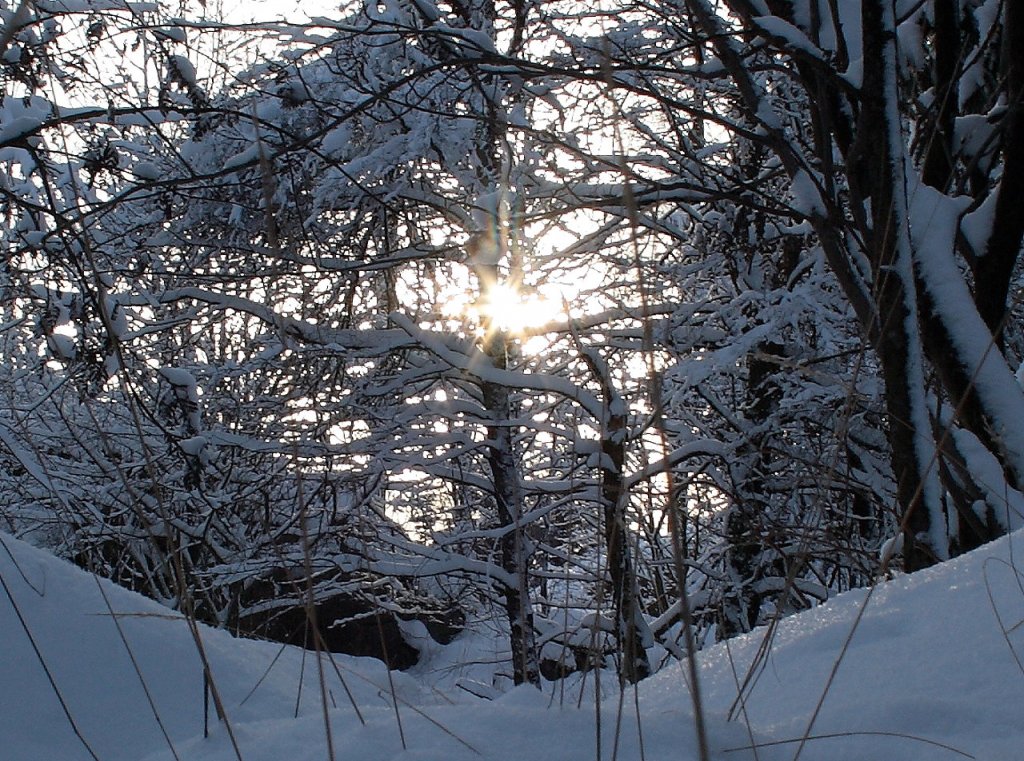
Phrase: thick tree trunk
(938, 155)
(631, 630)
(882, 170)
(957, 378)
(865, 229)
(888, 309)
(508, 501)
(489, 245)
(994, 270)
(514, 550)
(632, 634)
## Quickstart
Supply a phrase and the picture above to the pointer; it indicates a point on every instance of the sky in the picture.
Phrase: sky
(924, 667)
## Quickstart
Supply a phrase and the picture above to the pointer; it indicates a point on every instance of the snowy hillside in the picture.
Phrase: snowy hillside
(928, 674)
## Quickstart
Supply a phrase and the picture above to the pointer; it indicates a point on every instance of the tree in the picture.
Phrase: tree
(862, 169)
(252, 309)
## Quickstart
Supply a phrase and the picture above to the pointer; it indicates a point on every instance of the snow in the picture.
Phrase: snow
(92, 6)
(931, 671)
(116, 315)
(806, 196)
(243, 158)
(795, 39)
(184, 68)
(976, 226)
(178, 377)
(63, 346)
(196, 447)
(890, 547)
(171, 33)
(147, 170)
(477, 40)
(934, 220)
(19, 127)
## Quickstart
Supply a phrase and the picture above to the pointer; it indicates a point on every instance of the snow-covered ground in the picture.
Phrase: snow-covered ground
(926, 667)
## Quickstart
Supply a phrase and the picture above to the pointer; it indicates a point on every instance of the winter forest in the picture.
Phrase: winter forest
(602, 330)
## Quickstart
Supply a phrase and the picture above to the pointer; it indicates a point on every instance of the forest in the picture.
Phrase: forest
(606, 330)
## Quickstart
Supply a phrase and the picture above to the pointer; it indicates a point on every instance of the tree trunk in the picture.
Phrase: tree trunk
(514, 551)
(508, 501)
(632, 634)
(879, 145)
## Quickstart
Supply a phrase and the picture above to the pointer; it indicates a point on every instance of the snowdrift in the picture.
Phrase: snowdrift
(927, 666)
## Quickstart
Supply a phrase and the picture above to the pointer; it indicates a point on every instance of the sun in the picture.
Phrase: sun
(516, 312)
(522, 312)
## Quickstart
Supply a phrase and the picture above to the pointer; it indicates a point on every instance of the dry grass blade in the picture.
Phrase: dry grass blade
(311, 619)
(418, 711)
(384, 651)
(1003, 629)
(135, 665)
(741, 699)
(391, 684)
(264, 675)
(832, 674)
(46, 669)
(639, 723)
(19, 569)
(654, 390)
(211, 685)
(834, 735)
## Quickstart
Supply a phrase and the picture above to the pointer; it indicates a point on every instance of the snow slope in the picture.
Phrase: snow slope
(927, 674)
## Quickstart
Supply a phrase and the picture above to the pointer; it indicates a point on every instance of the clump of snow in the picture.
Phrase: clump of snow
(170, 33)
(805, 193)
(977, 225)
(196, 446)
(116, 315)
(181, 378)
(62, 346)
(147, 170)
(246, 156)
(183, 68)
(16, 128)
(889, 549)
(794, 38)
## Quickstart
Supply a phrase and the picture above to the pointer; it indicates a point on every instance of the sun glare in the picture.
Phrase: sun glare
(522, 313)
(513, 312)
